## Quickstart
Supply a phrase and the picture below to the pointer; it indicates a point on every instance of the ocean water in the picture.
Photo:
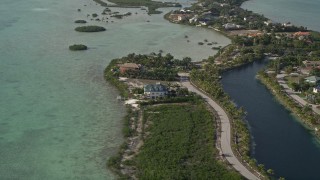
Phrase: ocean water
(59, 119)
(298, 12)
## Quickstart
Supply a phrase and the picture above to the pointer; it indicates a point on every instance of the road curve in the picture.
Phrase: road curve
(225, 134)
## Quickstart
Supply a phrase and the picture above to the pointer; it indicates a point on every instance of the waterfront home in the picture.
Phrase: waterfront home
(251, 35)
(288, 24)
(129, 66)
(269, 22)
(312, 79)
(311, 63)
(316, 89)
(301, 34)
(231, 26)
(154, 91)
(193, 19)
(179, 17)
(203, 23)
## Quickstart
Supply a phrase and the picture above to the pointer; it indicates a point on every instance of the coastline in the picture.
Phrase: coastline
(252, 163)
(236, 65)
(288, 103)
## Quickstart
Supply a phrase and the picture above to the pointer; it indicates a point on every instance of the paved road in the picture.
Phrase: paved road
(293, 94)
(225, 134)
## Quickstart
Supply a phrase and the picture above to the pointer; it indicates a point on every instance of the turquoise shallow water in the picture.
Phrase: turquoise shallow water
(59, 119)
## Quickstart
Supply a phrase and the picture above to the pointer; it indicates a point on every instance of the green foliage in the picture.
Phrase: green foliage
(315, 72)
(78, 47)
(137, 91)
(155, 66)
(90, 29)
(111, 75)
(180, 145)
(152, 5)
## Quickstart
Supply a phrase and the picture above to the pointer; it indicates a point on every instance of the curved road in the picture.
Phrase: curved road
(225, 134)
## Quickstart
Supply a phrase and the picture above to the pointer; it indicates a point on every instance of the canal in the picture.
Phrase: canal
(280, 142)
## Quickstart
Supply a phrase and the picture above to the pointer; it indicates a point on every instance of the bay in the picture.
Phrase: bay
(59, 118)
(298, 12)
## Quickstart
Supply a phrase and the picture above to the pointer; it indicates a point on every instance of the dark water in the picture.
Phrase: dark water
(280, 142)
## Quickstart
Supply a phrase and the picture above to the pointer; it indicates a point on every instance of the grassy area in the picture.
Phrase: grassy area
(180, 145)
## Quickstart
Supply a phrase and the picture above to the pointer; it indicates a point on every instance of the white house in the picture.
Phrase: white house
(230, 26)
(154, 91)
(316, 89)
(312, 79)
(269, 22)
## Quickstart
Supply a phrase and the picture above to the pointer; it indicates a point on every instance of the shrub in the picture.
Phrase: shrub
(80, 21)
(90, 29)
(78, 47)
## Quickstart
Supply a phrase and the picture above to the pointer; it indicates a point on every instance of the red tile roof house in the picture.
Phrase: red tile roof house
(302, 33)
(129, 66)
(311, 63)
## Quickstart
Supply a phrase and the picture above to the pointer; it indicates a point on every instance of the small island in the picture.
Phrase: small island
(151, 5)
(78, 47)
(90, 29)
(80, 21)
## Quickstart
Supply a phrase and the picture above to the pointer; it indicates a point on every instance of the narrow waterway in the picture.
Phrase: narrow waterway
(280, 141)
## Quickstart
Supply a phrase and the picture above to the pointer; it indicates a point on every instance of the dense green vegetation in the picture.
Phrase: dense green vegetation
(154, 66)
(181, 145)
(90, 29)
(80, 21)
(113, 79)
(152, 5)
(78, 47)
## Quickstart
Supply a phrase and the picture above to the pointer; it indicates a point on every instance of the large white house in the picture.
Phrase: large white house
(316, 89)
(154, 91)
(312, 79)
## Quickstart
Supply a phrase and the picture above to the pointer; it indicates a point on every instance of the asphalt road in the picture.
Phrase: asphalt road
(225, 134)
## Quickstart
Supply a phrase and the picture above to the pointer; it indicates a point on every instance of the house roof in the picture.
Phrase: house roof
(311, 63)
(155, 88)
(312, 78)
(130, 65)
(301, 33)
